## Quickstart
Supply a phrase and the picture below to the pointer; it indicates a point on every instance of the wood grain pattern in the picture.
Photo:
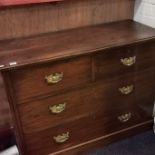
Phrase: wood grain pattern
(112, 60)
(60, 45)
(25, 80)
(80, 103)
(31, 20)
(5, 118)
(94, 144)
(81, 131)
(96, 124)
(19, 22)
(35, 116)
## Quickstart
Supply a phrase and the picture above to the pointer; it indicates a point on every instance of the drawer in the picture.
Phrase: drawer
(115, 62)
(82, 131)
(50, 78)
(52, 111)
(98, 98)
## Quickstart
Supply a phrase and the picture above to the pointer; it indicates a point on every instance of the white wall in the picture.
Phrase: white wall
(145, 12)
(10, 151)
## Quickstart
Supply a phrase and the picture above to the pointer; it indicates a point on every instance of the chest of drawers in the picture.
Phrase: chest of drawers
(81, 88)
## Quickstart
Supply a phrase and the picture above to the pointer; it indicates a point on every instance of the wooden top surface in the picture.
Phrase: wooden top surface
(60, 45)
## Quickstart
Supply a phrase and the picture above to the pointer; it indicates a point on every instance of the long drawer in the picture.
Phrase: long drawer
(123, 60)
(98, 98)
(50, 78)
(82, 131)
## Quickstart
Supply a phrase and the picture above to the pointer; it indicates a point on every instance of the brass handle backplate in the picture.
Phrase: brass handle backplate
(61, 138)
(125, 117)
(126, 90)
(57, 109)
(128, 61)
(54, 78)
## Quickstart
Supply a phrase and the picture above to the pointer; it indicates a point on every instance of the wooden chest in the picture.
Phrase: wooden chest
(81, 88)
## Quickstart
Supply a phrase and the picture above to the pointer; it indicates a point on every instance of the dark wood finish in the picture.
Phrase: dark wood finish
(35, 116)
(5, 118)
(102, 141)
(108, 64)
(6, 134)
(36, 19)
(35, 78)
(64, 44)
(18, 22)
(15, 116)
(81, 131)
(90, 86)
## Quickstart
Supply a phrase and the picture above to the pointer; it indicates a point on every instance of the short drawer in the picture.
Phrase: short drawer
(83, 130)
(98, 98)
(50, 78)
(124, 60)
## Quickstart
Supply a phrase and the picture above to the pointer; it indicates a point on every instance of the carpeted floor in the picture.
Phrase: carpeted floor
(142, 144)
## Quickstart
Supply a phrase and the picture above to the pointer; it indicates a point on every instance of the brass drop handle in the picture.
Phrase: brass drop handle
(61, 138)
(126, 90)
(128, 61)
(125, 117)
(57, 109)
(54, 78)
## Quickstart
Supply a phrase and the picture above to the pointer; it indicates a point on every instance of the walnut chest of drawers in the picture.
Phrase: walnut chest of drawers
(81, 88)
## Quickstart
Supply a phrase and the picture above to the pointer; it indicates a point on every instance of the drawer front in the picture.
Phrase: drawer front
(53, 111)
(50, 78)
(82, 130)
(119, 61)
(99, 98)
